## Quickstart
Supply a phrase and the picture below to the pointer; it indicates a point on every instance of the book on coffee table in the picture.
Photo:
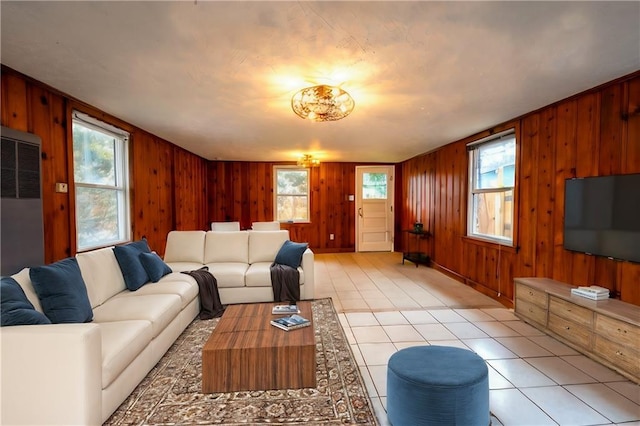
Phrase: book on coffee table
(291, 322)
(285, 309)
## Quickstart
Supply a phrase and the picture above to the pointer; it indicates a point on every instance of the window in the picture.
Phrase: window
(374, 186)
(100, 172)
(291, 194)
(492, 165)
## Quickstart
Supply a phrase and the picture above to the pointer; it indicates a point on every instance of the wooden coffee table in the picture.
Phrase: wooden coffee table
(245, 352)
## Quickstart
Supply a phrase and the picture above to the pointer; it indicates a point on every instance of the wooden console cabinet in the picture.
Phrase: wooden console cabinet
(607, 331)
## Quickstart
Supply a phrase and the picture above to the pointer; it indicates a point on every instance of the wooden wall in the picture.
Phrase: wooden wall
(168, 184)
(596, 133)
(243, 191)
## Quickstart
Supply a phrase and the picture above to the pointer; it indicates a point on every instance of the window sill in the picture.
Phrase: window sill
(490, 243)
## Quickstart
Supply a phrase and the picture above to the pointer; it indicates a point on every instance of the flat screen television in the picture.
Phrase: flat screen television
(602, 216)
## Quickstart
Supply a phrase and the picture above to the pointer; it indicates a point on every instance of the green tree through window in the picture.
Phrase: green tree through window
(101, 190)
(374, 186)
(292, 194)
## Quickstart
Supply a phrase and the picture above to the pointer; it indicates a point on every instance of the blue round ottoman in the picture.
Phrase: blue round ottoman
(437, 385)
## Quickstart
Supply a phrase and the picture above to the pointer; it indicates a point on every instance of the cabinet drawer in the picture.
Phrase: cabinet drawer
(531, 312)
(531, 295)
(617, 331)
(623, 357)
(571, 312)
(575, 333)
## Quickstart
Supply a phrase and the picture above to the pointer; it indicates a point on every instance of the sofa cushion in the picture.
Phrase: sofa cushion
(122, 342)
(128, 258)
(159, 309)
(24, 280)
(101, 274)
(265, 226)
(226, 247)
(290, 254)
(184, 266)
(182, 285)
(185, 246)
(225, 226)
(264, 245)
(154, 266)
(228, 274)
(259, 275)
(15, 308)
(62, 291)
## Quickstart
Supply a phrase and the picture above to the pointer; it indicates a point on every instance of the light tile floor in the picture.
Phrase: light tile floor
(385, 306)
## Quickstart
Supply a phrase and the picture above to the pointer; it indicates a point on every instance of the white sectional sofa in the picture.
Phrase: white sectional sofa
(78, 374)
(240, 261)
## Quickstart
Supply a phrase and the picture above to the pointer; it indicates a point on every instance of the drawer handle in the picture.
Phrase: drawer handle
(530, 293)
(530, 310)
(567, 328)
(568, 310)
(619, 353)
(622, 331)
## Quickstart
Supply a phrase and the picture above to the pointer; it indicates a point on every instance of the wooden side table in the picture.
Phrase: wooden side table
(415, 255)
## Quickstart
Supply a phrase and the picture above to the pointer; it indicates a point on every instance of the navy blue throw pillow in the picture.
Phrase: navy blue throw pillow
(128, 258)
(154, 266)
(15, 308)
(62, 291)
(290, 254)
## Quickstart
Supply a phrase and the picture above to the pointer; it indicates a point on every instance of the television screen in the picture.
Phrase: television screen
(602, 216)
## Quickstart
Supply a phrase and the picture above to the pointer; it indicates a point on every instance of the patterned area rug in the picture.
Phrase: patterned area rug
(171, 392)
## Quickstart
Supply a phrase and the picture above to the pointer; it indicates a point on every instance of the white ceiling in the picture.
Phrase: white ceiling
(217, 77)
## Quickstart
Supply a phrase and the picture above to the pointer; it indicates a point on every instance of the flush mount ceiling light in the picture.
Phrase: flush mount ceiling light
(307, 160)
(322, 103)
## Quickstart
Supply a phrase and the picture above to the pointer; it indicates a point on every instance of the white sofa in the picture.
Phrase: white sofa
(240, 261)
(78, 374)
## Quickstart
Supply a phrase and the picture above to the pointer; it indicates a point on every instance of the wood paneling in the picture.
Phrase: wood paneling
(190, 190)
(243, 191)
(15, 104)
(47, 114)
(565, 160)
(158, 204)
(592, 134)
(151, 189)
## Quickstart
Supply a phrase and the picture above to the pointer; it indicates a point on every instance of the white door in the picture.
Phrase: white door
(374, 208)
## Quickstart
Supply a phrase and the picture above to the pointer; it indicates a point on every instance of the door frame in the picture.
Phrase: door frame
(390, 196)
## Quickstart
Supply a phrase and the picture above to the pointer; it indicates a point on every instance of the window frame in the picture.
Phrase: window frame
(121, 187)
(276, 168)
(473, 149)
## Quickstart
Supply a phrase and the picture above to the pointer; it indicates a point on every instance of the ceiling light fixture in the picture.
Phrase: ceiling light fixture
(322, 103)
(307, 160)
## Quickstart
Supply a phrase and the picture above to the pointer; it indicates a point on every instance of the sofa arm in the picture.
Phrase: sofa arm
(309, 274)
(51, 374)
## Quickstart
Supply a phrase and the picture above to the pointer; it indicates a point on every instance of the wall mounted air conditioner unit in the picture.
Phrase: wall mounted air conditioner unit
(21, 220)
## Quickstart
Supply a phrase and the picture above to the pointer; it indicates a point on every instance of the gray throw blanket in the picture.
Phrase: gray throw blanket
(210, 304)
(285, 282)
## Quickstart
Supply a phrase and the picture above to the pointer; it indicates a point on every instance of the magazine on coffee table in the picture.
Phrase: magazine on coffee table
(291, 322)
(285, 309)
